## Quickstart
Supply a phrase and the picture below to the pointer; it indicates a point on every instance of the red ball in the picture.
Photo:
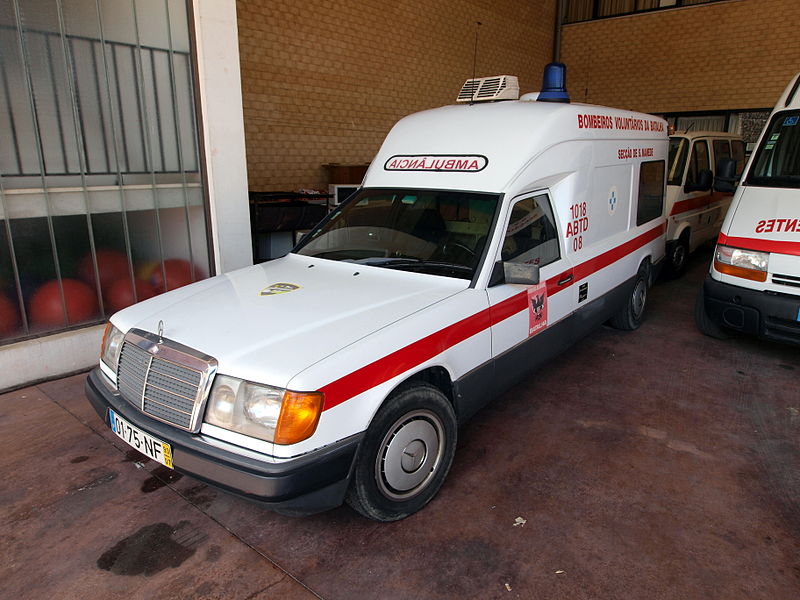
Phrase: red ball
(179, 273)
(9, 316)
(120, 294)
(46, 308)
(111, 265)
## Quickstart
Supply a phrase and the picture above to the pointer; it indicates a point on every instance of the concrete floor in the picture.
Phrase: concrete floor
(653, 464)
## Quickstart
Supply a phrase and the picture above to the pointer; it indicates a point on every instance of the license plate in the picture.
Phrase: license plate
(143, 442)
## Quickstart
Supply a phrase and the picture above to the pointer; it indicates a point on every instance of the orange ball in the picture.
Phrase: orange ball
(111, 265)
(179, 273)
(46, 308)
(120, 294)
(9, 316)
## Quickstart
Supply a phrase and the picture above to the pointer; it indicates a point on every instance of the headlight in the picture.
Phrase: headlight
(748, 264)
(112, 344)
(262, 411)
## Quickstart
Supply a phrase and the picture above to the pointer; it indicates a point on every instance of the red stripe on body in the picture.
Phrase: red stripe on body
(690, 204)
(775, 246)
(418, 352)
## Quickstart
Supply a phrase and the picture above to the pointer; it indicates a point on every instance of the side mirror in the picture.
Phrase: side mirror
(726, 178)
(508, 272)
(703, 184)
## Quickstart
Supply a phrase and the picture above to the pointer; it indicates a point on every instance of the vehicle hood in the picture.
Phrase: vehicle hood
(769, 214)
(264, 332)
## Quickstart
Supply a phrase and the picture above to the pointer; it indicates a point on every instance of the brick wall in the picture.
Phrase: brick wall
(722, 56)
(324, 80)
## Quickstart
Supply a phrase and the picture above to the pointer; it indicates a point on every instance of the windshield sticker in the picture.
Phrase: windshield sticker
(452, 163)
(279, 288)
(790, 121)
(537, 308)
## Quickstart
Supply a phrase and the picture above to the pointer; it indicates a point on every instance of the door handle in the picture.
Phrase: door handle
(565, 280)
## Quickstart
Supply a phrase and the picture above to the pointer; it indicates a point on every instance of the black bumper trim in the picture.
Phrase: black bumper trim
(308, 484)
(767, 315)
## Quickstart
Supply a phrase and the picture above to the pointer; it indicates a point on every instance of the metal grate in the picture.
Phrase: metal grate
(789, 280)
(161, 388)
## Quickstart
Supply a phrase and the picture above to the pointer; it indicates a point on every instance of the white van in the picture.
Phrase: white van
(487, 238)
(753, 285)
(695, 211)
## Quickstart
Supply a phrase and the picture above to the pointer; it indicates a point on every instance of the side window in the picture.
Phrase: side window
(651, 191)
(722, 149)
(737, 152)
(698, 162)
(531, 236)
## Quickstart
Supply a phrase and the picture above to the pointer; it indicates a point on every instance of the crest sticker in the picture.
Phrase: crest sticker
(279, 288)
(537, 308)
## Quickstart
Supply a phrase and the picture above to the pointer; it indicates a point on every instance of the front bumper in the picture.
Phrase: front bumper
(767, 315)
(309, 484)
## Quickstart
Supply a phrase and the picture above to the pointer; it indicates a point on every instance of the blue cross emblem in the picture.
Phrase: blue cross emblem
(612, 201)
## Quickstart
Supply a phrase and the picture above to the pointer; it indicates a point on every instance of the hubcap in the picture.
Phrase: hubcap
(410, 453)
(678, 256)
(639, 298)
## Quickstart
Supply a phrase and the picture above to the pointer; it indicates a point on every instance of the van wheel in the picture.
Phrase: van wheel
(703, 322)
(678, 256)
(630, 316)
(405, 455)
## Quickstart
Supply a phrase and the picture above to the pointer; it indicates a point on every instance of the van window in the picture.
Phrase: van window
(531, 236)
(722, 149)
(678, 150)
(777, 162)
(737, 152)
(651, 191)
(698, 162)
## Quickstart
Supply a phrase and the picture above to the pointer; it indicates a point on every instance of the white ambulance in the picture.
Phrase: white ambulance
(695, 210)
(753, 285)
(487, 238)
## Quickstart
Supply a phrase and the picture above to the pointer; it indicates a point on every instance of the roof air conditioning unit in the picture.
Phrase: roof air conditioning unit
(487, 89)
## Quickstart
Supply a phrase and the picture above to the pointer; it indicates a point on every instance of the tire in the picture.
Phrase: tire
(630, 316)
(405, 455)
(703, 322)
(678, 256)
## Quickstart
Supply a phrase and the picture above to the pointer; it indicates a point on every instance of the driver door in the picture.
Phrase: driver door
(530, 323)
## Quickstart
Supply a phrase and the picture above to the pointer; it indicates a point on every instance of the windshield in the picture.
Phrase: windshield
(430, 231)
(777, 163)
(678, 149)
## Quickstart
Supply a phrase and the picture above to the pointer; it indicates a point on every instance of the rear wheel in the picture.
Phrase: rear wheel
(405, 456)
(678, 256)
(630, 316)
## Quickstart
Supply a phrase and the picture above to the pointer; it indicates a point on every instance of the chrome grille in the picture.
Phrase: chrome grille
(164, 379)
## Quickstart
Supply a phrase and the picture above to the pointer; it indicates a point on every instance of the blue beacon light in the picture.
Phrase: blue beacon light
(554, 83)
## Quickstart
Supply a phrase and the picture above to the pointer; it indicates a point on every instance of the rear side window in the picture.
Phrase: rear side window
(737, 152)
(722, 149)
(698, 162)
(651, 191)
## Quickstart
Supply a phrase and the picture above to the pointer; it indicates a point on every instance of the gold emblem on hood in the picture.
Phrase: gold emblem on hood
(279, 288)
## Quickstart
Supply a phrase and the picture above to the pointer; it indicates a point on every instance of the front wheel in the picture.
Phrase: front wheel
(704, 322)
(630, 316)
(405, 455)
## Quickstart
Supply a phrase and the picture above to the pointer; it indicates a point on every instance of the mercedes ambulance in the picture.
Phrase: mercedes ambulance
(695, 210)
(753, 285)
(487, 237)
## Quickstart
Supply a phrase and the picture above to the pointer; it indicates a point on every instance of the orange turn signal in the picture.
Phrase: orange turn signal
(750, 274)
(300, 412)
(106, 331)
